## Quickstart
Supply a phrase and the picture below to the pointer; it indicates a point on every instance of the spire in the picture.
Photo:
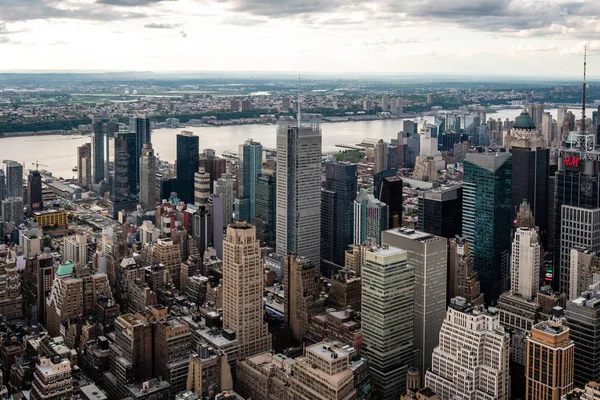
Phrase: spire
(298, 117)
(584, 85)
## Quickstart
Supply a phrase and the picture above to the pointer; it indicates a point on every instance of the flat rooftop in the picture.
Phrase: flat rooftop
(410, 234)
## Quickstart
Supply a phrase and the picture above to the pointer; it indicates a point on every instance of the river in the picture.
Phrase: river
(58, 154)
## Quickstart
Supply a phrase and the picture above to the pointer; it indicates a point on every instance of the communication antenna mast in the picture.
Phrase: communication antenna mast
(584, 85)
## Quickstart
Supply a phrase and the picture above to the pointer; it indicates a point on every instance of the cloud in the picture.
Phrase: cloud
(4, 40)
(183, 33)
(279, 9)
(387, 42)
(130, 3)
(532, 48)
(239, 20)
(593, 48)
(25, 10)
(154, 25)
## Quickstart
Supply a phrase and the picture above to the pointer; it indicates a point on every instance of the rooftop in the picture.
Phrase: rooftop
(524, 121)
(412, 234)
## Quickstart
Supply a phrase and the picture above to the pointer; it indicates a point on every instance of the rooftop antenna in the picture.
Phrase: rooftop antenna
(298, 117)
(584, 84)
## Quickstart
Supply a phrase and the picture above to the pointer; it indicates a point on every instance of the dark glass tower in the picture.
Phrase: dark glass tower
(98, 151)
(440, 211)
(530, 173)
(337, 210)
(265, 208)
(487, 218)
(143, 135)
(34, 192)
(390, 192)
(188, 150)
(125, 178)
(250, 166)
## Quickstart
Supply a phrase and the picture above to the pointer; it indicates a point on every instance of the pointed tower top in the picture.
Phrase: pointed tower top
(584, 87)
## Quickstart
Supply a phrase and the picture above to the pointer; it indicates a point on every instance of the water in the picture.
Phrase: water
(58, 154)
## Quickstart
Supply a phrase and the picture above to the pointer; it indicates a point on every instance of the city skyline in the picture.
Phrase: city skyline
(484, 37)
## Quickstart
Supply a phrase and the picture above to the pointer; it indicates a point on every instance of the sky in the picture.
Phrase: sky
(453, 37)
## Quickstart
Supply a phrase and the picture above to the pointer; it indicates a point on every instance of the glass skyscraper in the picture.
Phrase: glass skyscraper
(265, 217)
(188, 163)
(250, 166)
(487, 218)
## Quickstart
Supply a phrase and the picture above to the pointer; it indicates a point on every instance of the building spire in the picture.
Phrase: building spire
(298, 116)
(584, 85)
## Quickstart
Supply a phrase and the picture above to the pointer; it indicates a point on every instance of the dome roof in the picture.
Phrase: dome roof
(524, 121)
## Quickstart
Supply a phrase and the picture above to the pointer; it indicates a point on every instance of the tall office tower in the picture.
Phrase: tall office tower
(11, 210)
(234, 105)
(98, 152)
(487, 218)
(549, 361)
(391, 193)
(337, 210)
(2, 185)
(385, 102)
(243, 285)
(440, 210)
(75, 292)
(84, 165)
(201, 187)
(14, 179)
(266, 212)
(215, 166)
(52, 379)
(172, 347)
(286, 103)
(148, 178)
(596, 124)
(188, 148)
(167, 253)
(224, 190)
(387, 318)
(530, 170)
(75, 249)
(524, 218)
(371, 217)
(525, 263)
(462, 278)
(562, 114)
(585, 272)
(577, 204)
(547, 128)
(246, 105)
(34, 192)
(250, 166)
(324, 369)
(302, 294)
(202, 228)
(125, 172)
(427, 256)
(476, 331)
(552, 225)
(583, 318)
(143, 135)
(298, 180)
(380, 156)
(11, 300)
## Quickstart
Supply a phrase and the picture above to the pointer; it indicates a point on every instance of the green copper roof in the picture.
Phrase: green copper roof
(65, 269)
(524, 121)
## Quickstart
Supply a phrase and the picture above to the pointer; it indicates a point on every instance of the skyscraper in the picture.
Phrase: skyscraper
(530, 170)
(440, 210)
(462, 278)
(75, 249)
(337, 210)
(124, 181)
(370, 218)
(387, 318)
(298, 180)
(34, 192)
(525, 263)
(148, 178)
(201, 187)
(215, 166)
(84, 165)
(487, 218)
(14, 179)
(549, 361)
(143, 135)
(484, 374)
(2, 185)
(380, 156)
(243, 285)
(188, 148)
(98, 151)
(391, 193)
(250, 166)
(266, 212)
(224, 190)
(427, 256)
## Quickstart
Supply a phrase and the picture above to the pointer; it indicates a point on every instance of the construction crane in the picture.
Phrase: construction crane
(37, 165)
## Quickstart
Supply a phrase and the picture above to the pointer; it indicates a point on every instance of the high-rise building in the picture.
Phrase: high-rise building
(427, 256)
(583, 320)
(11, 300)
(188, 149)
(167, 253)
(549, 361)
(385, 102)
(208, 371)
(380, 156)
(125, 171)
(14, 179)
(387, 318)
(584, 270)
(530, 170)
(243, 285)
(525, 263)
(487, 218)
(148, 177)
(172, 347)
(462, 278)
(246, 105)
(84, 165)
(98, 151)
(215, 166)
(2, 185)
(476, 331)
(266, 211)
(298, 180)
(337, 210)
(440, 210)
(52, 379)
(391, 193)
(224, 190)
(75, 249)
(143, 135)
(371, 217)
(11, 210)
(250, 166)
(201, 187)
(302, 294)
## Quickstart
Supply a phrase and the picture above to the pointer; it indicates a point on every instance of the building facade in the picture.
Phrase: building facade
(188, 162)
